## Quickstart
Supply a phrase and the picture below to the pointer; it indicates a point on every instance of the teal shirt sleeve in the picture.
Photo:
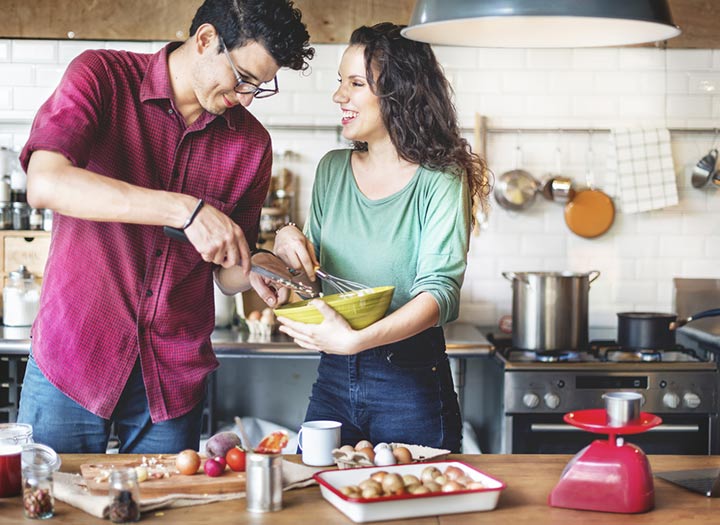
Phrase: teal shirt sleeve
(444, 243)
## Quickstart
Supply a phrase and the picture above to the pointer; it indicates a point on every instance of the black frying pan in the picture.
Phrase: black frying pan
(653, 331)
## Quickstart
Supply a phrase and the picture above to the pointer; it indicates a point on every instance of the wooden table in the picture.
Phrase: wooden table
(529, 479)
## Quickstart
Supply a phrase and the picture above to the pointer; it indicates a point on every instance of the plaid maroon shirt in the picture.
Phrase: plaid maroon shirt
(114, 292)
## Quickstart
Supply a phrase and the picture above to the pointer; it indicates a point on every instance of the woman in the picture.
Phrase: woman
(395, 210)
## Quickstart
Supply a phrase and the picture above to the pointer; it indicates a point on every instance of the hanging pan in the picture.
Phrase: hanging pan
(515, 190)
(591, 212)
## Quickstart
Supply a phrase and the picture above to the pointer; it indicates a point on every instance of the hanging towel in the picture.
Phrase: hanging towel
(640, 174)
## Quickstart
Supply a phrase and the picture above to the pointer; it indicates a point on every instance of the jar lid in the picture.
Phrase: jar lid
(21, 273)
(19, 204)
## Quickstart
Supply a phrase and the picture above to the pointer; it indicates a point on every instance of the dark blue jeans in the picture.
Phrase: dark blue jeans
(402, 392)
(67, 427)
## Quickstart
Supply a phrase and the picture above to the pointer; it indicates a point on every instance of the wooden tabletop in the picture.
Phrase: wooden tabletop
(529, 478)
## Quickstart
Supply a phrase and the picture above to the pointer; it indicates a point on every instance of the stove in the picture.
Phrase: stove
(677, 384)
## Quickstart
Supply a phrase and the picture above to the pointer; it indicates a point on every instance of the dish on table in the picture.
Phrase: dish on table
(406, 505)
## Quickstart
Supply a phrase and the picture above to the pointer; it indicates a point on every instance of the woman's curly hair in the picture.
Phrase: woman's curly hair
(276, 24)
(416, 106)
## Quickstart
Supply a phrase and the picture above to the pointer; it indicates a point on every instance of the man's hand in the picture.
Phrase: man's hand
(272, 293)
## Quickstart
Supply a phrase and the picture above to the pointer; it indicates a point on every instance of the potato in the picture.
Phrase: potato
(219, 444)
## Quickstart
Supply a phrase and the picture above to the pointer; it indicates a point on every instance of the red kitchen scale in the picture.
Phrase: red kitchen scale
(607, 476)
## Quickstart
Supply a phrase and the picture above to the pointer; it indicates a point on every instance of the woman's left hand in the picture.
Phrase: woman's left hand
(333, 336)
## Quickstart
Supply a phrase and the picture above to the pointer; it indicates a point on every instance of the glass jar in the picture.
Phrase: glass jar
(47, 219)
(36, 219)
(21, 298)
(12, 438)
(38, 501)
(21, 216)
(124, 496)
(6, 222)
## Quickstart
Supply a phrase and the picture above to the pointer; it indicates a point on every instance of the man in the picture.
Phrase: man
(129, 143)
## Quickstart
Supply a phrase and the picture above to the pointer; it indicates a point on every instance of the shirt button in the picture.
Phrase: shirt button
(170, 112)
(149, 293)
(158, 252)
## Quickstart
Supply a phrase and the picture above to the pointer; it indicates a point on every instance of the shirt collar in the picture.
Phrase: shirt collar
(156, 86)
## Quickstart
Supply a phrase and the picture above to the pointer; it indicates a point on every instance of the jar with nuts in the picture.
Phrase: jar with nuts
(38, 502)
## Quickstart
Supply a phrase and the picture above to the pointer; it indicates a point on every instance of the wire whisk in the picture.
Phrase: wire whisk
(339, 284)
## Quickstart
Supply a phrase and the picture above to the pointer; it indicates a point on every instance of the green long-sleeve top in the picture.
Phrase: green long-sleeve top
(415, 239)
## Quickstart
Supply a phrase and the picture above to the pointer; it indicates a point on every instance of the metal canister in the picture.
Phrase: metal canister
(264, 482)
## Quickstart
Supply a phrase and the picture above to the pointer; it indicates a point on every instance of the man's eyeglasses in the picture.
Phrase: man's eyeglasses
(245, 87)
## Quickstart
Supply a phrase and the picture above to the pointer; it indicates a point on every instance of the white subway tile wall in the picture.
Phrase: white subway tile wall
(514, 88)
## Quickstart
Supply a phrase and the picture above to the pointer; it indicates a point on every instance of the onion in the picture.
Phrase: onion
(187, 462)
(213, 468)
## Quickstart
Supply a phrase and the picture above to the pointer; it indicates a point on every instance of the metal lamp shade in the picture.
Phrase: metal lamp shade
(540, 24)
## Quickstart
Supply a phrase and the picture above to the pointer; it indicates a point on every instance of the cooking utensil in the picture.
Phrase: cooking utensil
(515, 190)
(556, 187)
(705, 170)
(550, 309)
(591, 212)
(653, 331)
(339, 284)
(281, 280)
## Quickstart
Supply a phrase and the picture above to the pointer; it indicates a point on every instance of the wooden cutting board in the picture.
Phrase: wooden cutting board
(198, 483)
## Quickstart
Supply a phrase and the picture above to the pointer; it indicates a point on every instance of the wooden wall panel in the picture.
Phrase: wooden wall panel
(329, 21)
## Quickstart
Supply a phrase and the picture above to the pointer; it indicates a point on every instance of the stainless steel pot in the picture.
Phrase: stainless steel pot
(550, 309)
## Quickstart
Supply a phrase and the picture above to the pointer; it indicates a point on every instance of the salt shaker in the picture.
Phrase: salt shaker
(264, 482)
(38, 501)
(124, 496)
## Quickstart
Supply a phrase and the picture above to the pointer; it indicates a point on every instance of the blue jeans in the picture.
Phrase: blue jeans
(402, 392)
(67, 427)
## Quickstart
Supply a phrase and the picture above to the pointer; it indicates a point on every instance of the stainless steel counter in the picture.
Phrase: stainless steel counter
(463, 340)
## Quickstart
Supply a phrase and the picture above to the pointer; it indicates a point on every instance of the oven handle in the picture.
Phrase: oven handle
(550, 427)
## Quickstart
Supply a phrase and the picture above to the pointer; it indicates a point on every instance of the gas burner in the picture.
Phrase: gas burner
(517, 355)
(621, 355)
(614, 353)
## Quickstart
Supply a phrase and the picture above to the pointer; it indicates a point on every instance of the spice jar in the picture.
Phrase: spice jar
(124, 496)
(36, 219)
(21, 298)
(38, 501)
(6, 216)
(21, 216)
(47, 219)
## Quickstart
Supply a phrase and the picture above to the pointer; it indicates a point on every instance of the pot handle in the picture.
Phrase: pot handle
(512, 275)
(592, 277)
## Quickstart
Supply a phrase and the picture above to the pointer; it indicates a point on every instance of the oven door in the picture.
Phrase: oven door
(549, 434)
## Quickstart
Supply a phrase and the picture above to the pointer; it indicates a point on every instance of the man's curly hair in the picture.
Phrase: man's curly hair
(276, 24)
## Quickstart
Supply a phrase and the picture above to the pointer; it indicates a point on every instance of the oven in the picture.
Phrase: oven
(679, 386)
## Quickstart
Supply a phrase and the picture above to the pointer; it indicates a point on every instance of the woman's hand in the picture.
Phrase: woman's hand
(333, 336)
(296, 250)
(270, 292)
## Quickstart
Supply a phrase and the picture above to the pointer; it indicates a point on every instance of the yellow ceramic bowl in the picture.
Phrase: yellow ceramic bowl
(360, 309)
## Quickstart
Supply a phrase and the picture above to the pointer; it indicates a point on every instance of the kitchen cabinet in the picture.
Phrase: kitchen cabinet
(328, 21)
(28, 248)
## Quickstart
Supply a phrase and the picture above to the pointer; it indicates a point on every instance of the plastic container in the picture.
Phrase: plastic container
(21, 298)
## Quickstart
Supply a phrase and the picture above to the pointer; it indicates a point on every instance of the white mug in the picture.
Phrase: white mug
(317, 439)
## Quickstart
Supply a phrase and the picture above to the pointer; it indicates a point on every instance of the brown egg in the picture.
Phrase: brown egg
(369, 452)
(402, 455)
(363, 444)
(254, 316)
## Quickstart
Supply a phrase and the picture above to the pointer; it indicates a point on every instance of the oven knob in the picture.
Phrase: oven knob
(531, 400)
(552, 400)
(671, 400)
(691, 400)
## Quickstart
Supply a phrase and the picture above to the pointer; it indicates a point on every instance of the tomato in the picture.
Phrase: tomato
(235, 458)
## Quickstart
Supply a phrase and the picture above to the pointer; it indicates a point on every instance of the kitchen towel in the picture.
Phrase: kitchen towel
(71, 489)
(640, 173)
